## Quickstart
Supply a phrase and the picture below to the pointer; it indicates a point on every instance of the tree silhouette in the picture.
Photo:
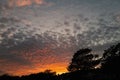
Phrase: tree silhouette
(48, 71)
(83, 60)
(111, 58)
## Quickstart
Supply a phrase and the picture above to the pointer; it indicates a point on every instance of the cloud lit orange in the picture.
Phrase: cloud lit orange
(20, 3)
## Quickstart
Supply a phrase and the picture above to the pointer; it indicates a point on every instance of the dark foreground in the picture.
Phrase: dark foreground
(77, 75)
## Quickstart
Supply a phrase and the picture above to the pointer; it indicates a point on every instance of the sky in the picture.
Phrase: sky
(36, 35)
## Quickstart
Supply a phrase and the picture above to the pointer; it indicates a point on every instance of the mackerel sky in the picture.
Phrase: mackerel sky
(36, 35)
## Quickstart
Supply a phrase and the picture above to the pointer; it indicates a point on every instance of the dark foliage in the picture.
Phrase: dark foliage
(47, 75)
(83, 60)
(111, 59)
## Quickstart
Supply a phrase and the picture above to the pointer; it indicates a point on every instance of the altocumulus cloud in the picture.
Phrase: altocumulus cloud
(29, 44)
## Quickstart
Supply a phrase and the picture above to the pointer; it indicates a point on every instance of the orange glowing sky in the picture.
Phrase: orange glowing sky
(35, 60)
(59, 68)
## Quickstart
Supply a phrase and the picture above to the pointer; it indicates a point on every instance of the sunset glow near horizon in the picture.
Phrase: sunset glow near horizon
(39, 35)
